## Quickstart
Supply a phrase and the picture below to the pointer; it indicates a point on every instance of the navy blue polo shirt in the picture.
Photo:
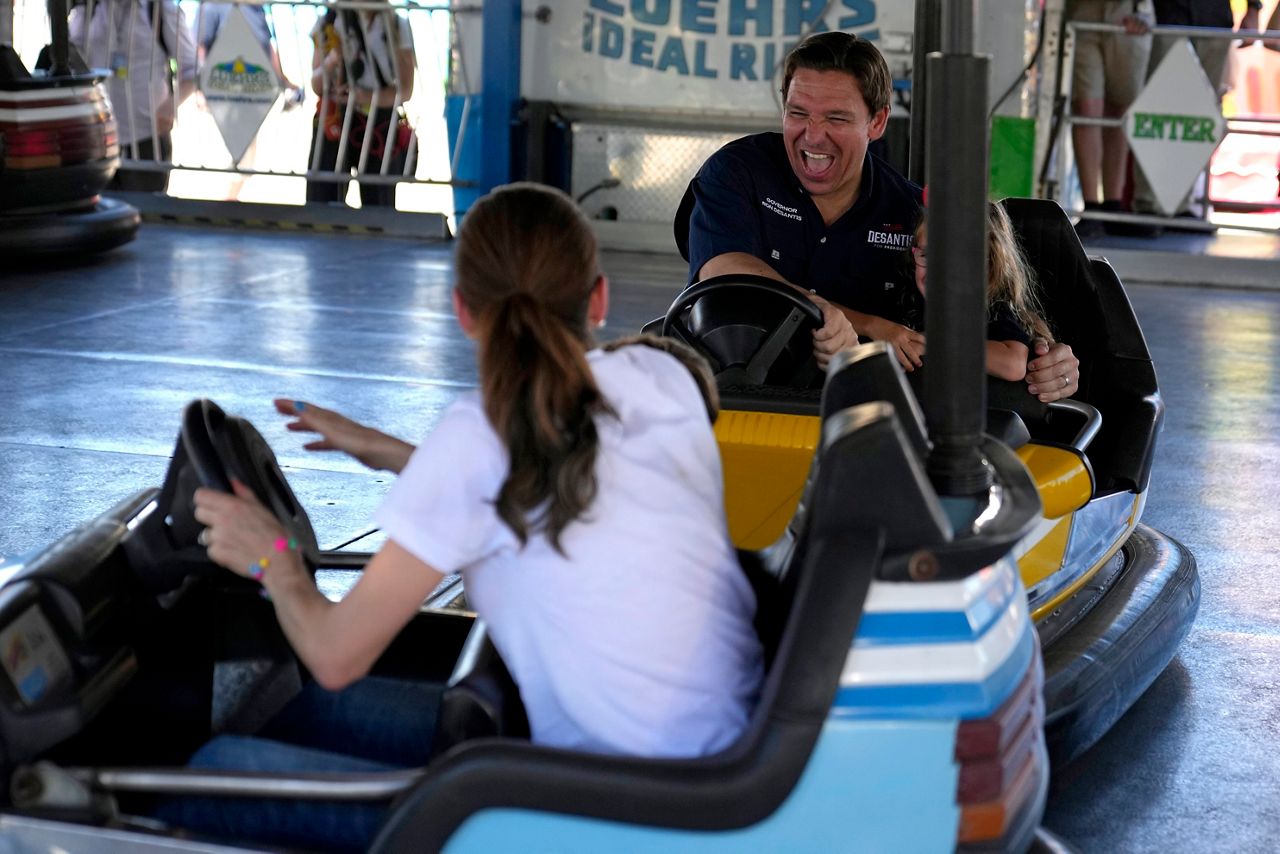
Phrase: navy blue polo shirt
(748, 199)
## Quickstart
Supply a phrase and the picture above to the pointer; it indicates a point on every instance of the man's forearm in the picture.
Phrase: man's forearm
(863, 324)
(742, 262)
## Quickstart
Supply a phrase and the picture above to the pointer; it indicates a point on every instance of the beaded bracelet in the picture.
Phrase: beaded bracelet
(282, 544)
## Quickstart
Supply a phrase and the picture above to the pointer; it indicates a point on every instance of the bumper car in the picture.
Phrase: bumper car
(896, 714)
(58, 151)
(1111, 598)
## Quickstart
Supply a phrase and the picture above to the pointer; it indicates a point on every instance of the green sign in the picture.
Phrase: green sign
(1174, 128)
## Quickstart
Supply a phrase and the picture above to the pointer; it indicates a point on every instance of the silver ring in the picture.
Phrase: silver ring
(1064, 380)
(203, 537)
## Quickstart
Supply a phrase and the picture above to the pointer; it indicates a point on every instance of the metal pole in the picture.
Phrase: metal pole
(958, 36)
(955, 401)
(59, 39)
(926, 41)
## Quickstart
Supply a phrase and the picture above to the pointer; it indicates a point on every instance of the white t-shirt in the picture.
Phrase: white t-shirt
(640, 641)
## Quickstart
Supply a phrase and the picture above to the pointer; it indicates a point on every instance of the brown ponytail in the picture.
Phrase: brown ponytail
(526, 262)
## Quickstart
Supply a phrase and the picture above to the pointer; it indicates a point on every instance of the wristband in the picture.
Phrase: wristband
(258, 567)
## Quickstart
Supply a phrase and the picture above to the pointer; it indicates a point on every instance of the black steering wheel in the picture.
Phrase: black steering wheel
(221, 447)
(733, 321)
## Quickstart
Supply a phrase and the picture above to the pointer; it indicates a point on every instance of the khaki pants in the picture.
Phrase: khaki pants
(1109, 66)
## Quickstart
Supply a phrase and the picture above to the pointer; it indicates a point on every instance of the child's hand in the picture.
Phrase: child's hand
(908, 345)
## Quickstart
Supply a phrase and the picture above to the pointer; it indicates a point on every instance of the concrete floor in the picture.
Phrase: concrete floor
(98, 358)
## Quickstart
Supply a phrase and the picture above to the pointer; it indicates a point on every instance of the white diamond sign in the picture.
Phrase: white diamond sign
(1174, 125)
(238, 83)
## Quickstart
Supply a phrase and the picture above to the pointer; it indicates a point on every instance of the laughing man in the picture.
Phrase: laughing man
(812, 207)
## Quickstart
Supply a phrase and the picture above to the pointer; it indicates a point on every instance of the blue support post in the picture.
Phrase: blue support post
(500, 90)
(480, 121)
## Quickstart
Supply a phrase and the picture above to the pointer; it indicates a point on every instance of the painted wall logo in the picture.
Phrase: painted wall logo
(241, 78)
(714, 39)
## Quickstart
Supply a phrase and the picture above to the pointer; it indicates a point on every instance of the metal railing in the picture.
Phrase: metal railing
(361, 94)
(1057, 189)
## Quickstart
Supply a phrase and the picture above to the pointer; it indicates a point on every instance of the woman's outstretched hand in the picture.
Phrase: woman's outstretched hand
(337, 432)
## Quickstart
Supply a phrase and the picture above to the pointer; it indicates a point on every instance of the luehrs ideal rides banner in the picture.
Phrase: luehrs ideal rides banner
(704, 55)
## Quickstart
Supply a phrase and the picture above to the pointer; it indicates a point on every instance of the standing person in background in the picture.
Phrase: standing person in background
(209, 23)
(1212, 54)
(136, 41)
(211, 19)
(1108, 74)
(1252, 21)
(362, 69)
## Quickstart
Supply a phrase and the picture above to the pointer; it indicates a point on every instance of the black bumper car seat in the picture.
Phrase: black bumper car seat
(1086, 307)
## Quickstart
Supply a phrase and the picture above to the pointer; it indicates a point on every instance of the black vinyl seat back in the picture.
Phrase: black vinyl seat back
(1086, 307)
(680, 226)
(840, 550)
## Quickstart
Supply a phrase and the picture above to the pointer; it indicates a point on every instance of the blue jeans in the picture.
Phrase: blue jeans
(376, 724)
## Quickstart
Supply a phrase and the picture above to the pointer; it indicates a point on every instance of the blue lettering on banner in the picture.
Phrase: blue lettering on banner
(611, 36)
(804, 16)
(673, 57)
(761, 13)
(700, 61)
(864, 13)
(770, 65)
(741, 36)
(642, 48)
(698, 16)
(741, 65)
(659, 15)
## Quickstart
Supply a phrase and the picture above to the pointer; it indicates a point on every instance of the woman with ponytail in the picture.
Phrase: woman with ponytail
(579, 493)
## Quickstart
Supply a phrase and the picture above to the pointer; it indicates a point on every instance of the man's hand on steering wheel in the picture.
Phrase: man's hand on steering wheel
(835, 334)
(1054, 372)
(908, 345)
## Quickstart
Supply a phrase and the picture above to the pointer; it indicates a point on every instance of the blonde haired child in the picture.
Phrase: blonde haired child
(1013, 311)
